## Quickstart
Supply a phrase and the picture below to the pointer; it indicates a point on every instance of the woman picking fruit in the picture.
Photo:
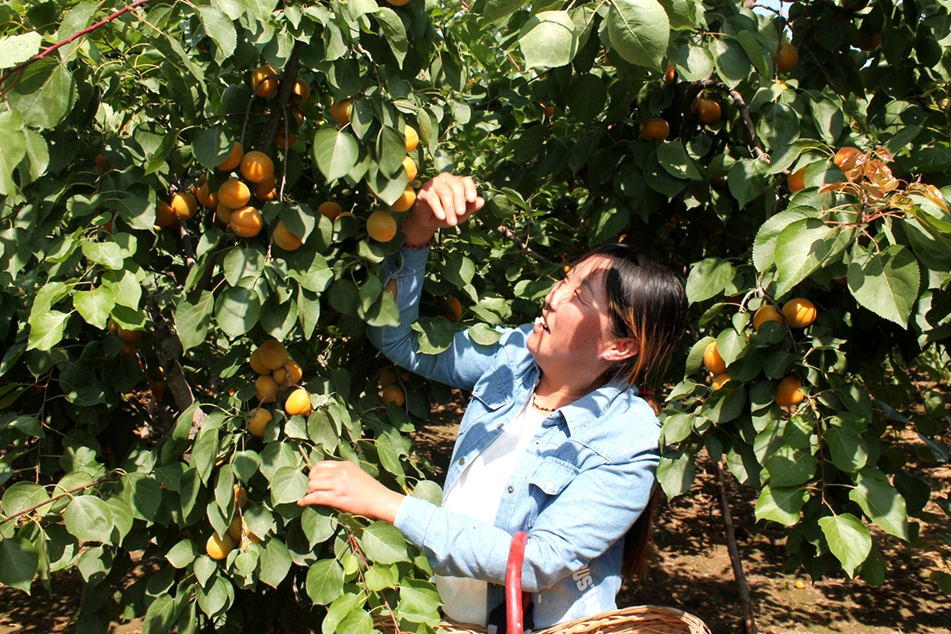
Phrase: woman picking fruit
(558, 439)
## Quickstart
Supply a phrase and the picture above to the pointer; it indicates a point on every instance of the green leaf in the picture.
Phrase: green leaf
(548, 40)
(15, 49)
(288, 485)
(676, 473)
(747, 180)
(435, 334)
(849, 450)
(358, 621)
(678, 427)
(673, 157)
(484, 335)
(764, 246)
(324, 581)
(778, 126)
(275, 563)
(335, 151)
(18, 563)
(22, 496)
(790, 467)
(89, 519)
(317, 525)
(75, 20)
(394, 32)
(848, 540)
(587, 97)
(211, 147)
(731, 61)
(237, 310)
(161, 615)
(881, 502)
(639, 31)
(182, 553)
(12, 150)
(193, 319)
(44, 93)
(801, 248)
(384, 543)
(95, 305)
(755, 52)
(108, 254)
(157, 159)
(708, 279)
(781, 504)
(46, 330)
(498, 9)
(886, 282)
(221, 29)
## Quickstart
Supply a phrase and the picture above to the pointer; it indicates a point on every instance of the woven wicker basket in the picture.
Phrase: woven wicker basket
(641, 619)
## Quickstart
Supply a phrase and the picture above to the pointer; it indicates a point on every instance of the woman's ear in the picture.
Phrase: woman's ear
(621, 349)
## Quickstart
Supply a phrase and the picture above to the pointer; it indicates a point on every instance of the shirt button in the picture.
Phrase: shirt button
(549, 487)
(538, 441)
(462, 461)
(511, 489)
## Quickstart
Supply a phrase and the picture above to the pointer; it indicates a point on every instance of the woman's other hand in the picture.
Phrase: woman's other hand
(445, 201)
(346, 487)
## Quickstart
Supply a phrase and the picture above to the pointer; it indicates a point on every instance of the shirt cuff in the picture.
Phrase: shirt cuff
(413, 519)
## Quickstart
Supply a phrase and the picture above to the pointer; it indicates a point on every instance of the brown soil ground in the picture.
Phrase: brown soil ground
(691, 570)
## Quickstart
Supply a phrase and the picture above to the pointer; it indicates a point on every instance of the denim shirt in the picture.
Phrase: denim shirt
(586, 477)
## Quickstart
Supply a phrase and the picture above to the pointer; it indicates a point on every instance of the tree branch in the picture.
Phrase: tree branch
(54, 498)
(755, 147)
(283, 95)
(749, 622)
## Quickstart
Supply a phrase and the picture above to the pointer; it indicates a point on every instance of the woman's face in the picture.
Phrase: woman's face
(575, 331)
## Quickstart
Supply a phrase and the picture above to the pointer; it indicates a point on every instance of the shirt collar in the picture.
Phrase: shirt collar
(592, 406)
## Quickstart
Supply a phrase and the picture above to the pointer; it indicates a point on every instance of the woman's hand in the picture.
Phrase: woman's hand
(345, 486)
(445, 201)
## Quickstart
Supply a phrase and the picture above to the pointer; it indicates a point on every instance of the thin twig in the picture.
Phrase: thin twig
(755, 147)
(56, 497)
(283, 95)
(355, 548)
(749, 621)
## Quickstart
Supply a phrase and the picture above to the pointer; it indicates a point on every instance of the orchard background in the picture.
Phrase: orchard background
(137, 278)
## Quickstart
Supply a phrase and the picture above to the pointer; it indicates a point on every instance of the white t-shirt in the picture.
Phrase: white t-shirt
(477, 493)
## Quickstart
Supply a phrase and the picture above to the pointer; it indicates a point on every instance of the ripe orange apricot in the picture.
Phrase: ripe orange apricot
(787, 58)
(708, 111)
(340, 111)
(655, 129)
(266, 388)
(101, 163)
(218, 547)
(240, 496)
(381, 226)
(844, 156)
(285, 143)
(393, 394)
(294, 372)
(256, 364)
(234, 194)
(264, 81)
(265, 191)
(301, 91)
(720, 380)
(387, 377)
(410, 166)
(764, 314)
(405, 201)
(285, 239)
(234, 530)
(206, 197)
(224, 213)
(789, 392)
(164, 216)
(258, 421)
(712, 359)
(549, 111)
(454, 313)
(799, 312)
(234, 159)
(257, 166)
(272, 354)
(246, 222)
(411, 136)
(797, 180)
(330, 210)
(869, 42)
(670, 75)
(184, 205)
(397, 3)
(298, 403)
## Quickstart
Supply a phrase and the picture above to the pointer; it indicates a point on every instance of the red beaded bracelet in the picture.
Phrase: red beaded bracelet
(419, 247)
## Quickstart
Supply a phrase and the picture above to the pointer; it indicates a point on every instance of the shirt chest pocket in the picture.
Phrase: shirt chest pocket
(548, 481)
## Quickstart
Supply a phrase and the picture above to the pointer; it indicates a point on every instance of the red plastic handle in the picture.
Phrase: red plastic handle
(513, 584)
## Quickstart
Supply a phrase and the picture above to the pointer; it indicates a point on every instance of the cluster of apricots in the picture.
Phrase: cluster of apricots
(392, 392)
(218, 547)
(381, 225)
(709, 111)
(278, 372)
(796, 313)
